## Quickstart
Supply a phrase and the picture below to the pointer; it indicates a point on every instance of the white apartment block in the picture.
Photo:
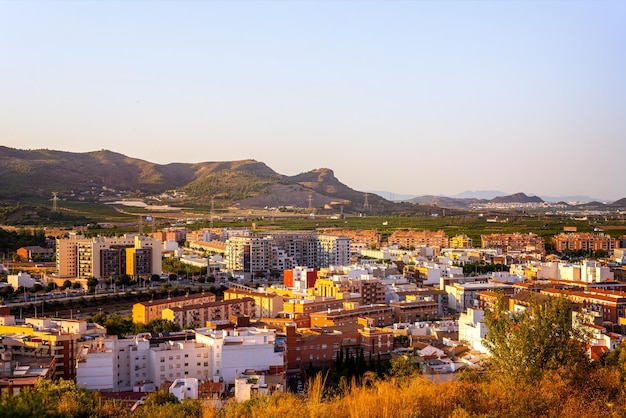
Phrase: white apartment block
(588, 271)
(465, 295)
(181, 359)
(127, 364)
(435, 272)
(472, 329)
(285, 250)
(114, 364)
(21, 279)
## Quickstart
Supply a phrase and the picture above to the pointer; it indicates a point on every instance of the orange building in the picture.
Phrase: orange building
(414, 239)
(197, 316)
(380, 315)
(584, 242)
(515, 242)
(144, 312)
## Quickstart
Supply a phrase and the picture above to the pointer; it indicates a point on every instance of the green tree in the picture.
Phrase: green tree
(159, 398)
(525, 345)
(402, 366)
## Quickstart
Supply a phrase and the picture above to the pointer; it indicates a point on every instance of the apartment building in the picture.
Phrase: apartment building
(431, 274)
(144, 312)
(461, 241)
(300, 310)
(320, 348)
(41, 337)
(588, 271)
(380, 315)
(419, 305)
(171, 234)
(370, 289)
(197, 316)
(360, 239)
(607, 305)
(267, 304)
(300, 278)
(514, 242)
(281, 251)
(78, 257)
(414, 239)
(126, 364)
(584, 242)
(466, 295)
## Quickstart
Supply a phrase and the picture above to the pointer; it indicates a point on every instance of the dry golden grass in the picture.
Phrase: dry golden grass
(419, 397)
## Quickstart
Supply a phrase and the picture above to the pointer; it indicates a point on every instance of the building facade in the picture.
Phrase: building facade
(104, 257)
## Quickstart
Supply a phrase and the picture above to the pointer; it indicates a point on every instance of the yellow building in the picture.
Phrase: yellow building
(266, 304)
(461, 241)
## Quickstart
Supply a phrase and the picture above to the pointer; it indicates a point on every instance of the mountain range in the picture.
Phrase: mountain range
(106, 175)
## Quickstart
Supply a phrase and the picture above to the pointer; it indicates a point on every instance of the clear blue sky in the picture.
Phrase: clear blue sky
(412, 97)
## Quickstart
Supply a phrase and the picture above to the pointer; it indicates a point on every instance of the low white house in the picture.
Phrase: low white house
(186, 388)
(21, 279)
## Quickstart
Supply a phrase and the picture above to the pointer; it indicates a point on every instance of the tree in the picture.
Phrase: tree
(159, 398)
(525, 345)
(36, 288)
(402, 366)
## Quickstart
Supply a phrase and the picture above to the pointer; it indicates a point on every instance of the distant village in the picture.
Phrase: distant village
(295, 301)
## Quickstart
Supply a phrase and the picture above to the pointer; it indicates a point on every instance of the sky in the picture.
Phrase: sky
(410, 97)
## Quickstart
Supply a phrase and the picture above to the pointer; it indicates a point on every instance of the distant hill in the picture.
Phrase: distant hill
(478, 194)
(517, 198)
(619, 204)
(455, 203)
(105, 175)
(575, 198)
(446, 202)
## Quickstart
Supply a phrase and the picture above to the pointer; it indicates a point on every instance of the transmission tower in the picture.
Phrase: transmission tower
(310, 202)
(366, 204)
(54, 201)
(212, 207)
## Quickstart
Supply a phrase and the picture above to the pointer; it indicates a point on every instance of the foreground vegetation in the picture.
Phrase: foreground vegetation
(600, 393)
(538, 370)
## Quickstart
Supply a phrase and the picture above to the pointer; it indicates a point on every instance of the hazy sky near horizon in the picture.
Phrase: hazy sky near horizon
(411, 97)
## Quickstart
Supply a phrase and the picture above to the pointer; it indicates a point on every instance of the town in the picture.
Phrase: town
(264, 310)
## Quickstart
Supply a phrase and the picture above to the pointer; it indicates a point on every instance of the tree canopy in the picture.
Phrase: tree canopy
(545, 338)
